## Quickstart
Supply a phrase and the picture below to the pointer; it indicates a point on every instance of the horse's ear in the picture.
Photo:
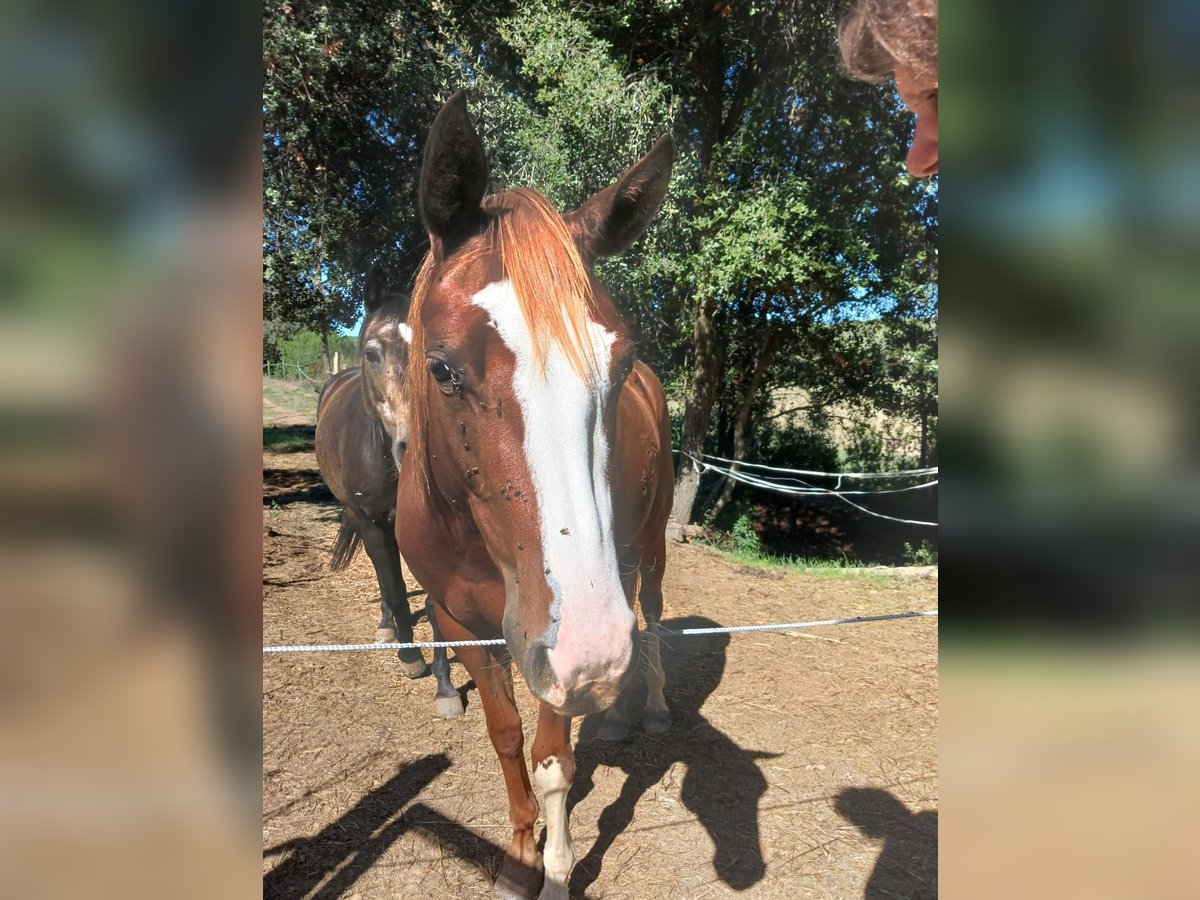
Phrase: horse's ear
(454, 174)
(612, 219)
(379, 291)
(375, 293)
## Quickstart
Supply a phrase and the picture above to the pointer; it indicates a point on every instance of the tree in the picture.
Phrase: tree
(789, 219)
(348, 90)
(797, 202)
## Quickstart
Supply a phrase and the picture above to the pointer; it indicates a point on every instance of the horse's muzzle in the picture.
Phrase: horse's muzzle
(581, 693)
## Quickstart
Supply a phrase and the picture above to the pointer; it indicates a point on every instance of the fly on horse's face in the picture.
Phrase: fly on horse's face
(524, 362)
(385, 344)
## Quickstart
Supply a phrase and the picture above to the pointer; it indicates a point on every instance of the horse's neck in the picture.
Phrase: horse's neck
(368, 410)
(375, 432)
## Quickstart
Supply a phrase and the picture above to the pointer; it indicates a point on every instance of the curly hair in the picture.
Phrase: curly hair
(877, 35)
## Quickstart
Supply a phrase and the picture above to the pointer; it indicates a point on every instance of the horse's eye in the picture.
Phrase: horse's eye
(373, 355)
(448, 378)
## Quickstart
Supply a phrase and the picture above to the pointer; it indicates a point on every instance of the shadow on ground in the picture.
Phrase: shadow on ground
(907, 864)
(722, 784)
(348, 847)
(284, 486)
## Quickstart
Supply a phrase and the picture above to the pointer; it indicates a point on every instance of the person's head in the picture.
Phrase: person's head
(882, 39)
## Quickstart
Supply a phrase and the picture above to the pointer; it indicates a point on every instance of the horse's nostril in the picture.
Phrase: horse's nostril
(539, 661)
(538, 672)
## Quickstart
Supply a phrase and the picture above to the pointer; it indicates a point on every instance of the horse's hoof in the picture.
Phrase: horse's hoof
(552, 890)
(448, 707)
(656, 721)
(517, 882)
(385, 635)
(613, 729)
(412, 668)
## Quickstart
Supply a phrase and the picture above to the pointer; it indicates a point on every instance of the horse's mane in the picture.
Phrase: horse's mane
(539, 258)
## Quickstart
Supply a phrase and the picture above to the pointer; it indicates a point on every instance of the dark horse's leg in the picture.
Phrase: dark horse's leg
(380, 544)
(448, 703)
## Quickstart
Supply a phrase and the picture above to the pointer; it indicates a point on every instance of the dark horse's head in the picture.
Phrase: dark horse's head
(384, 342)
(520, 357)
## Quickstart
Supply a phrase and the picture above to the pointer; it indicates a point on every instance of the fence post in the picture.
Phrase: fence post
(336, 367)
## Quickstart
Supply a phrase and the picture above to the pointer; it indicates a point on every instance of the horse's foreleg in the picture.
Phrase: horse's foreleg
(657, 719)
(615, 724)
(554, 771)
(448, 703)
(521, 874)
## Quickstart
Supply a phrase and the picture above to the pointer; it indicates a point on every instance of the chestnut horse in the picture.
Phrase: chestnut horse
(362, 431)
(538, 478)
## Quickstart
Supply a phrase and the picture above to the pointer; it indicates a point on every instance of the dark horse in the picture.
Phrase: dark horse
(362, 430)
(538, 479)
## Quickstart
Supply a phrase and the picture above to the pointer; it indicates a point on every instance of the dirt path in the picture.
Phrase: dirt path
(800, 765)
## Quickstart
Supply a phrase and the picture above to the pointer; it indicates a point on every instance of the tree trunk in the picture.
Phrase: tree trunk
(740, 426)
(324, 351)
(710, 71)
(697, 411)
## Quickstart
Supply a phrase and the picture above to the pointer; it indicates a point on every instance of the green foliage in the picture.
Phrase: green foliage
(924, 555)
(789, 220)
(348, 90)
(275, 332)
(742, 536)
(346, 348)
(796, 447)
(838, 567)
(872, 447)
(302, 353)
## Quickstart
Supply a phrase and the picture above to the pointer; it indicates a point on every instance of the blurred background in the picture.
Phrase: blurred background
(1070, 509)
(130, 483)
(130, 279)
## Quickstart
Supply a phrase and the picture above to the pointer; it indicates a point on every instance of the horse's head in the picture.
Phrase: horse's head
(384, 342)
(515, 400)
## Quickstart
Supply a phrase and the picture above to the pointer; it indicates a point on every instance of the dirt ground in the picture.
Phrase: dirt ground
(798, 765)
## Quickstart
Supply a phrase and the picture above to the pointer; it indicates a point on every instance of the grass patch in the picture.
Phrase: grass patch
(741, 545)
(288, 438)
(289, 397)
(833, 568)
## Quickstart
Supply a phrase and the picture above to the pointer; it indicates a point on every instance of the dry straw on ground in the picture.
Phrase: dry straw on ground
(801, 765)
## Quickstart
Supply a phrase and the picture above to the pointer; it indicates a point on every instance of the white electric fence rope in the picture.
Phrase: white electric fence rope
(813, 490)
(782, 484)
(268, 367)
(682, 632)
(930, 470)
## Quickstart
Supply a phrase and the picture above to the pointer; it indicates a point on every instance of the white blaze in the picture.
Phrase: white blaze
(567, 454)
